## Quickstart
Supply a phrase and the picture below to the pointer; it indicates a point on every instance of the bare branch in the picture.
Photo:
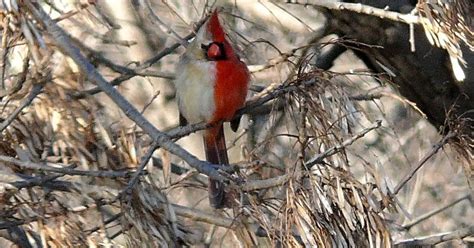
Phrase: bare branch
(281, 180)
(27, 101)
(44, 181)
(136, 175)
(335, 149)
(265, 183)
(62, 169)
(430, 154)
(202, 216)
(368, 10)
(436, 238)
(162, 25)
(426, 216)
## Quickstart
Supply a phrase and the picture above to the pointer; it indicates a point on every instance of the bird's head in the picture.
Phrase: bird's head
(210, 42)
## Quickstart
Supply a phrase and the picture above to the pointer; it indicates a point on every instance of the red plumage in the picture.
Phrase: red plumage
(214, 27)
(230, 91)
(232, 77)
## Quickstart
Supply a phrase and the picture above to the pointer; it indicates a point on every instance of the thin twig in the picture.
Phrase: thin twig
(44, 181)
(138, 172)
(61, 40)
(4, 52)
(368, 10)
(280, 180)
(425, 216)
(124, 70)
(265, 183)
(191, 213)
(199, 215)
(430, 154)
(62, 169)
(160, 24)
(175, 169)
(366, 97)
(27, 101)
(335, 149)
(9, 224)
(432, 240)
(106, 222)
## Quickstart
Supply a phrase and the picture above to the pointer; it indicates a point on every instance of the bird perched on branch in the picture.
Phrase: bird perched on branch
(211, 85)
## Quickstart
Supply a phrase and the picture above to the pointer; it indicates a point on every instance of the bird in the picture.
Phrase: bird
(211, 85)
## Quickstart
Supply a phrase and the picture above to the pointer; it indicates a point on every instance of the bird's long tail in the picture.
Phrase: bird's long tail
(216, 153)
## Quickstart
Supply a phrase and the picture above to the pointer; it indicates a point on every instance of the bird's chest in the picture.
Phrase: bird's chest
(195, 90)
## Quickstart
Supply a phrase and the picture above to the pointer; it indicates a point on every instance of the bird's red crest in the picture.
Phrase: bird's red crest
(215, 28)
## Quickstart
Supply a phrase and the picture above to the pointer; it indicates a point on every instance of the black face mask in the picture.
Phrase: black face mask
(214, 51)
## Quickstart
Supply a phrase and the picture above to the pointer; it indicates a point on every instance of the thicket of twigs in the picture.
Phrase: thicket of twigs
(322, 159)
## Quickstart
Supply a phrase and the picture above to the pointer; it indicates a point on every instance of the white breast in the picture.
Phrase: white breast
(195, 89)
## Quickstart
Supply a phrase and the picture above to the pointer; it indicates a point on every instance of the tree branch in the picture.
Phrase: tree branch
(62, 169)
(280, 180)
(426, 216)
(436, 238)
(430, 154)
(37, 87)
(143, 163)
(368, 10)
(265, 183)
(48, 181)
(335, 149)
(199, 215)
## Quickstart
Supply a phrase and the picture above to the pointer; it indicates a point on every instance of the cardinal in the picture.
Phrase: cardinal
(211, 85)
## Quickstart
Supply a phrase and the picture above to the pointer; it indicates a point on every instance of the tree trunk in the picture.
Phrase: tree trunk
(424, 77)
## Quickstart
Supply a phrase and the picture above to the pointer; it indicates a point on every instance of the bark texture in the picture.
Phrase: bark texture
(424, 77)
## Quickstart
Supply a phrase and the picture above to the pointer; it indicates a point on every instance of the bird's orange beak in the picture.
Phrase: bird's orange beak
(214, 51)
